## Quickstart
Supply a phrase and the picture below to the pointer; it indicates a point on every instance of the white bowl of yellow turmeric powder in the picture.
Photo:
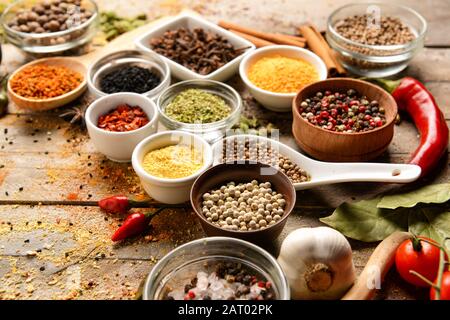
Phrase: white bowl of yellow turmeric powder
(275, 74)
(168, 163)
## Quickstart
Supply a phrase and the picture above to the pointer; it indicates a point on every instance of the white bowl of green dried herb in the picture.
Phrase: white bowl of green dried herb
(203, 107)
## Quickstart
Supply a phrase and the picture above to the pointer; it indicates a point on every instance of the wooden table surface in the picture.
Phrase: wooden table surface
(50, 173)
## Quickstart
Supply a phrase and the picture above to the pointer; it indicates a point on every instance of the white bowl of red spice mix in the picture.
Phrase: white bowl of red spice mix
(118, 122)
(274, 74)
(169, 162)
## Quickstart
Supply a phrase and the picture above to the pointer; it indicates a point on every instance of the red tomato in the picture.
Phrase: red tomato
(423, 259)
(445, 287)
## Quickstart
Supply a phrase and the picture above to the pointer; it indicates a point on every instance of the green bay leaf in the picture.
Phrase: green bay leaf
(432, 222)
(365, 222)
(436, 193)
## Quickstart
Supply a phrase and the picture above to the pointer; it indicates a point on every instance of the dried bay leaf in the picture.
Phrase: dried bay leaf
(436, 193)
(432, 222)
(365, 222)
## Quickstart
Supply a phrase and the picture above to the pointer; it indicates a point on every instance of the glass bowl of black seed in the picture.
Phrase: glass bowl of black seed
(48, 27)
(217, 268)
(129, 71)
(376, 39)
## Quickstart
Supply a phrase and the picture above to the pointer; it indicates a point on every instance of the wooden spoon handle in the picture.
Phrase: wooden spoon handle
(376, 268)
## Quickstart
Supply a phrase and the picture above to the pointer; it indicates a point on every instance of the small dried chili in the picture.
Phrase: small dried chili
(115, 204)
(123, 118)
(133, 225)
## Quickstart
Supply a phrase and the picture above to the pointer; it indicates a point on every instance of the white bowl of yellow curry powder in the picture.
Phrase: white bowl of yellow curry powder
(168, 163)
(275, 74)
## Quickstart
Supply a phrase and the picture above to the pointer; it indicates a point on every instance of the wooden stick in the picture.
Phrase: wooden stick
(255, 33)
(258, 42)
(379, 264)
(295, 38)
(340, 69)
(284, 39)
(319, 46)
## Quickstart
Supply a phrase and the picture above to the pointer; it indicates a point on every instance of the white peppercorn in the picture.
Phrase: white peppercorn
(206, 196)
(247, 206)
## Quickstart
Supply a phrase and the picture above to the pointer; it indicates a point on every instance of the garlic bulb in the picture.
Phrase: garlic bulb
(318, 263)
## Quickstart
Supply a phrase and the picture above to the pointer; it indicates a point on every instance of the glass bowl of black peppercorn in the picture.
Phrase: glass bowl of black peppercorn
(50, 26)
(129, 71)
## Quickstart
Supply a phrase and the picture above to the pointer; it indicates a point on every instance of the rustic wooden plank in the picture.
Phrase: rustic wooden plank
(422, 67)
(71, 157)
(430, 65)
(271, 16)
(441, 92)
(103, 279)
(67, 167)
(66, 233)
(61, 236)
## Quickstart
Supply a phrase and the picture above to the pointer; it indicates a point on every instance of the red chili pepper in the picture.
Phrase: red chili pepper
(134, 225)
(413, 98)
(116, 204)
(119, 204)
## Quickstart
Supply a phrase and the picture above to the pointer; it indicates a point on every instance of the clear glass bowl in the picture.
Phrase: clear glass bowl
(376, 60)
(182, 263)
(123, 58)
(52, 42)
(213, 131)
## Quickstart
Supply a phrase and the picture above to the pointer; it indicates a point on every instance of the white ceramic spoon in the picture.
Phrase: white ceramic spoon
(324, 173)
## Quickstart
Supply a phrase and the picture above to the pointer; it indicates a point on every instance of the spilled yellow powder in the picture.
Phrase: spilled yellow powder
(282, 74)
(173, 162)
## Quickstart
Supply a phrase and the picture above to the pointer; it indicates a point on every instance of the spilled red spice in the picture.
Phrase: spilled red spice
(72, 196)
(123, 118)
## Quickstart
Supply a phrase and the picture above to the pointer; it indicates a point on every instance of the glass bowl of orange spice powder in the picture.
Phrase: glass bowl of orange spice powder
(274, 74)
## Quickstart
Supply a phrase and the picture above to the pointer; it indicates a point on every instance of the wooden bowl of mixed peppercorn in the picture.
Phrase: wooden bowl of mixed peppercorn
(343, 120)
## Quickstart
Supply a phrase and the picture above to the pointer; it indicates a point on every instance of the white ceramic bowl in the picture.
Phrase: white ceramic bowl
(190, 21)
(170, 191)
(280, 102)
(119, 146)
